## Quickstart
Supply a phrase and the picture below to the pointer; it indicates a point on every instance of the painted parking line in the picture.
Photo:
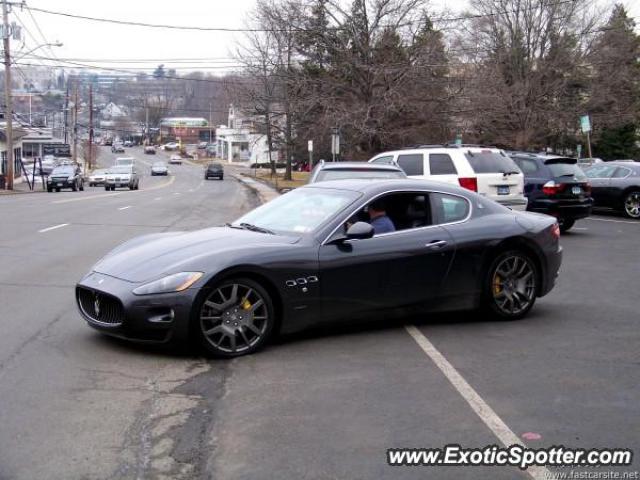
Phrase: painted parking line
(53, 228)
(614, 221)
(88, 197)
(124, 208)
(475, 401)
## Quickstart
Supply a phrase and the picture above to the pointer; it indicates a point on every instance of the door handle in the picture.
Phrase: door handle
(436, 244)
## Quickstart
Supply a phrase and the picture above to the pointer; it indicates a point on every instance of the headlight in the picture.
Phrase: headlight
(171, 283)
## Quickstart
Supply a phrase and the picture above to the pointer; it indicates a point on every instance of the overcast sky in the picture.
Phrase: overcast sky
(87, 40)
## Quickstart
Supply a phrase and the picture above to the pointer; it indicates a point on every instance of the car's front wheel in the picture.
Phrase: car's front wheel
(632, 204)
(511, 285)
(236, 317)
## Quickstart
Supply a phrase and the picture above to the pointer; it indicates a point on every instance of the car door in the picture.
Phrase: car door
(600, 179)
(405, 267)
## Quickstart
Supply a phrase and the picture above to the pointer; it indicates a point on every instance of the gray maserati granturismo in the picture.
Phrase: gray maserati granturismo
(327, 252)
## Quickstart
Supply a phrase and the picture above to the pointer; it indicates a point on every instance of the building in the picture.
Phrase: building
(35, 140)
(185, 130)
(17, 154)
(241, 141)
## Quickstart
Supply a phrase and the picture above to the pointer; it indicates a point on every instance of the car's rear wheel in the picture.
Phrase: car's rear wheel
(632, 204)
(511, 285)
(57, 190)
(566, 224)
(235, 318)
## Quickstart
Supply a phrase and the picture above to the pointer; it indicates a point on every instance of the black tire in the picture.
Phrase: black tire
(631, 204)
(132, 187)
(566, 224)
(49, 189)
(106, 188)
(74, 187)
(82, 186)
(513, 290)
(137, 185)
(57, 190)
(249, 333)
(221, 178)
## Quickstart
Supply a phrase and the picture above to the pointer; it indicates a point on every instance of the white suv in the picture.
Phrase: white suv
(486, 170)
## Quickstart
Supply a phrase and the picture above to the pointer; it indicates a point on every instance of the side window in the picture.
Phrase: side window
(412, 163)
(621, 172)
(526, 165)
(600, 171)
(449, 208)
(387, 160)
(441, 164)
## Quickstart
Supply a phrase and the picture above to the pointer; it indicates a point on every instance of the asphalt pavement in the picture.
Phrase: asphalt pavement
(325, 404)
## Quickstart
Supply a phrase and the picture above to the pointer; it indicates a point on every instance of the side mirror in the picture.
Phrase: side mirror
(359, 231)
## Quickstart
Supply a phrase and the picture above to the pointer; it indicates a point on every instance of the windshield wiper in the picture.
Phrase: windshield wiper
(255, 228)
(567, 175)
(231, 225)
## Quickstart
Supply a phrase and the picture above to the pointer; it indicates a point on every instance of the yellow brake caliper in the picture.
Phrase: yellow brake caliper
(496, 285)
(246, 305)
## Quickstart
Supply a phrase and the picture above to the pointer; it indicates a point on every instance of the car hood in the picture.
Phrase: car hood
(152, 256)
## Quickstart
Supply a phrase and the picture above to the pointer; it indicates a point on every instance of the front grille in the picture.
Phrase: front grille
(100, 307)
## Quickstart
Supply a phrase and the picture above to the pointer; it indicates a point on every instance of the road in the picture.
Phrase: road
(325, 404)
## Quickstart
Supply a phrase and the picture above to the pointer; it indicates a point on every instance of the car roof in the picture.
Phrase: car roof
(359, 166)
(368, 186)
(543, 157)
(445, 147)
(635, 166)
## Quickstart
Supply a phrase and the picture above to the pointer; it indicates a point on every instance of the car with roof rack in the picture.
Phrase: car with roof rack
(555, 185)
(486, 170)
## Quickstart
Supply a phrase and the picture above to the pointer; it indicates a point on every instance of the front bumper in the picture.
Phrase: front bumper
(118, 184)
(141, 318)
(60, 184)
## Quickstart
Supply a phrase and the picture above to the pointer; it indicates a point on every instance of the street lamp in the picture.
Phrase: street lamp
(56, 44)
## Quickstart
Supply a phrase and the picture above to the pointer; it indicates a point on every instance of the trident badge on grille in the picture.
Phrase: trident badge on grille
(96, 306)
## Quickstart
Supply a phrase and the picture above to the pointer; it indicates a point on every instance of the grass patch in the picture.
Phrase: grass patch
(277, 181)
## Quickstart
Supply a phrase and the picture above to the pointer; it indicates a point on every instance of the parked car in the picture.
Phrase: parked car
(128, 143)
(486, 170)
(325, 171)
(170, 146)
(202, 145)
(234, 287)
(214, 170)
(97, 177)
(211, 150)
(108, 142)
(616, 185)
(117, 148)
(175, 159)
(159, 168)
(65, 176)
(150, 150)
(124, 176)
(585, 163)
(555, 185)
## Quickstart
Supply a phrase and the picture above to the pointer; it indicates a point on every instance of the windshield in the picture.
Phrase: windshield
(300, 211)
(63, 171)
(566, 170)
(159, 164)
(120, 170)
(487, 161)
(342, 174)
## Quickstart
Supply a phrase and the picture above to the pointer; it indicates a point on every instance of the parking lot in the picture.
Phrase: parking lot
(323, 404)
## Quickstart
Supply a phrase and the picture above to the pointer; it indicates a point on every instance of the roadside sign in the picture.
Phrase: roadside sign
(310, 146)
(56, 149)
(579, 150)
(585, 124)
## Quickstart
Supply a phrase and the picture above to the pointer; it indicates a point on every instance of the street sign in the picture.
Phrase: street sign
(310, 146)
(579, 150)
(56, 149)
(585, 124)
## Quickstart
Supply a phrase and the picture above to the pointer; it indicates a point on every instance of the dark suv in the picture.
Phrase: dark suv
(65, 176)
(214, 170)
(556, 186)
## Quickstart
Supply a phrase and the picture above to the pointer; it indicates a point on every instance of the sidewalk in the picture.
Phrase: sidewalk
(23, 187)
(265, 193)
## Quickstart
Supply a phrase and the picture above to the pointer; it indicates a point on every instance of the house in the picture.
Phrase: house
(241, 141)
(17, 153)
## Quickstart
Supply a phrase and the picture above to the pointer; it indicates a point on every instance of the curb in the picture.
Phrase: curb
(264, 193)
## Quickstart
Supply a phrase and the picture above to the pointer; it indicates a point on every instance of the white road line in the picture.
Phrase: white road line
(475, 401)
(87, 197)
(124, 208)
(579, 228)
(52, 228)
(614, 221)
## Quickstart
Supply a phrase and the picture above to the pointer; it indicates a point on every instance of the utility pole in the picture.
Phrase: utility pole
(66, 113)
(146, 122)
(90, 125)
(75, 125)
(8, 109)
(210, 126)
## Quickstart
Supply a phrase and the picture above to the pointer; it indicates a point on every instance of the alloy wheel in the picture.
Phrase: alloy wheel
(235, 318)
(632, 205)
(513, 285)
